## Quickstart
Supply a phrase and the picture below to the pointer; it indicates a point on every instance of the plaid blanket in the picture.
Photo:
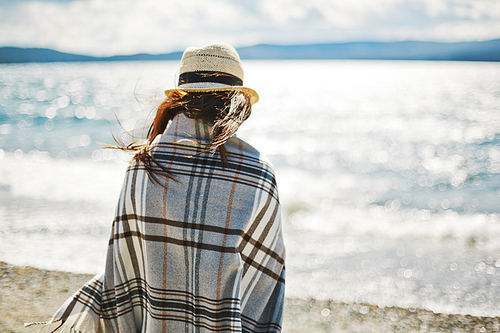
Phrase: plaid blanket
(202, 252)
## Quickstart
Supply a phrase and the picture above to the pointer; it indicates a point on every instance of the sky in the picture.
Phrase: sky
(110, 27)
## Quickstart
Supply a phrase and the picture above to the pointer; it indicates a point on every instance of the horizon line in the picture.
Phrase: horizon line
(252, 45)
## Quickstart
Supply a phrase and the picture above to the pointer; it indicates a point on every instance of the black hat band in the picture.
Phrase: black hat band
(210, 76)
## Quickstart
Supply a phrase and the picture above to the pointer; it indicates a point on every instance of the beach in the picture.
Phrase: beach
(28, 294)
(389, 180)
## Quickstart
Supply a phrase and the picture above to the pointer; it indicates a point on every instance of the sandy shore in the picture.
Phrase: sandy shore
(30, 294)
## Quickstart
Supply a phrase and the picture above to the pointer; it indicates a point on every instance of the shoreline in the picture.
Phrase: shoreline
(30, 294)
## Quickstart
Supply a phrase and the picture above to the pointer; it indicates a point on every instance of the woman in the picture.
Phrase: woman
(196, 244)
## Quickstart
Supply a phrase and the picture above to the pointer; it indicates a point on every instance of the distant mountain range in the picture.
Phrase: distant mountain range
(409, 50)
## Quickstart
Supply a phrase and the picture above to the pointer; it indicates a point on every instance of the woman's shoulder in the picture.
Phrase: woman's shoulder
(238, 146)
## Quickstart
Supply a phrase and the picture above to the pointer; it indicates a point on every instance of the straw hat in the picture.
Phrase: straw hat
(214, 67)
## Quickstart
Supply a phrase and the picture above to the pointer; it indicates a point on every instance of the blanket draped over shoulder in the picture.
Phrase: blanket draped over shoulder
(200, 252)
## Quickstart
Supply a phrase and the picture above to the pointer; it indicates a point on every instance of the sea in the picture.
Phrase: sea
(388, 171)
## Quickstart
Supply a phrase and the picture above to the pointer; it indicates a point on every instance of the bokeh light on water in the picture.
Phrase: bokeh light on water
(388, 171)
(67, 110)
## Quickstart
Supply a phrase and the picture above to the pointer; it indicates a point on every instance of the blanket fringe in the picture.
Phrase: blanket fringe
(47, 326)
(35, 323)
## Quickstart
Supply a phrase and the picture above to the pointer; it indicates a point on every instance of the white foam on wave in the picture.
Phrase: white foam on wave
(57, 214)
(78, 180)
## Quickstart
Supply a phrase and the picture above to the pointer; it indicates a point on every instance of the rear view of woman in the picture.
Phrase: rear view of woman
(196, 243)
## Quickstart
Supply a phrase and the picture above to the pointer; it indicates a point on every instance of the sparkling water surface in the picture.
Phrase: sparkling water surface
(388, 171)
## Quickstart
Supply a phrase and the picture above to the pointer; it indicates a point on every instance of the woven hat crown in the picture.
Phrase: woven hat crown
(217, 57)
(211, 68)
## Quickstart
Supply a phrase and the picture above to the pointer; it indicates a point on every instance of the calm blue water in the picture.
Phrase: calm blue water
(389, 171)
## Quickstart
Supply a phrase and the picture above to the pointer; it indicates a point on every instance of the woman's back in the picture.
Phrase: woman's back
(203, 241)
(196, 244)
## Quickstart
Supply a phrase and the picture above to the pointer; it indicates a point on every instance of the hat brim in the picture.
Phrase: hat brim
(254, 97)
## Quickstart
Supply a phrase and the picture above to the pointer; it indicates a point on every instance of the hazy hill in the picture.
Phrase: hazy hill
(410, 50)
(19, 55)
(472, 51)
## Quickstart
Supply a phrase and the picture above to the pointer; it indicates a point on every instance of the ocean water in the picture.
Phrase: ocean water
(388, 171)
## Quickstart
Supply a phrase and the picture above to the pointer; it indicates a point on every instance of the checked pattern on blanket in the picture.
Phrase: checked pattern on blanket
(202, 252)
